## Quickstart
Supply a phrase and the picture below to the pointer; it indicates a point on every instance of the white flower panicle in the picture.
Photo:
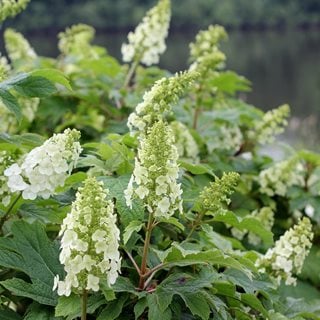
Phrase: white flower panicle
(10, 8)
(90, 241)
(207, 42)
(272, 124)
(4, 68)
(154, 178)
(19, 50)
(286, 258)
(276, 179)
(184, 141)
(208, 62)
(76, 40)
(6, 159)
(147, 42)
(157, 102)
(46, 167)
(227, 137)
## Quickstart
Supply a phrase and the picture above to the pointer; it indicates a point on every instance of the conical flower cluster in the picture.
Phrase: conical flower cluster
(19, 50)
(272, 124)
(147, 42)
(157, 102)
(207, 42)
(215, 197)
(76, 39)
(286, 258)
(4, 68)
(10, 8)
(90, 241)
(46, 167)
(155, 174)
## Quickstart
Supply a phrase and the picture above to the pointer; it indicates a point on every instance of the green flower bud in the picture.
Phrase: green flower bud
(215, 196)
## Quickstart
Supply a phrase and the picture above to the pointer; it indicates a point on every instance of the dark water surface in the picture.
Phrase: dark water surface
(284, 67)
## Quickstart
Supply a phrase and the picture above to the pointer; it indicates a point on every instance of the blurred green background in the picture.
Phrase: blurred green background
(119, 14)
(274, 43)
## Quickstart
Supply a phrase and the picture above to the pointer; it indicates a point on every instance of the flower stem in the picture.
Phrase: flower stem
(143, 268)
(84, 304)
(5, 216)
(195, 225)
(130, 73)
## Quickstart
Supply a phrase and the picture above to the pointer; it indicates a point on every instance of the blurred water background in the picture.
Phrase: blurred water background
(277, 47)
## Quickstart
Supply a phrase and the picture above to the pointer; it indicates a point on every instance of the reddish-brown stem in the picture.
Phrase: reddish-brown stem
(143, 268)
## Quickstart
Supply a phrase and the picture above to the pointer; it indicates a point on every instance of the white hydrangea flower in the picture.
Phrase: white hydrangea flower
(154, 178)
(91, 253)
(226, 137)
(46, 167)
(157, 102)
(184, 141)
(147, 42)
(6, 159)
(286, 258)
(276, 179)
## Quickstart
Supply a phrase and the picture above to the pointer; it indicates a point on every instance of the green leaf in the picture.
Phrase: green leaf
(8, 314)
(158, 303)
(11, 103)
(134, 226)
(113, 309)
(117, 187)
(40, 312)
(189, 288)
(30, 251)
(177, 256)
(72, 181)
(196, 168)
(311, 266)
(106, 66)
(29, 140)
(174, 221)
(53, 75)
(197, 305)
(70, 307)
(215, 238)
(124, 285)
(139, 307)
(230, 82)
(33, 86)
(249, 285)
(252, 301)
(37, 290)
(247, 223)
(42, 213)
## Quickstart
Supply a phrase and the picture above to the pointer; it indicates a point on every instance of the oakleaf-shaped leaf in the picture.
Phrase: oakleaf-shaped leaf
(30, 251)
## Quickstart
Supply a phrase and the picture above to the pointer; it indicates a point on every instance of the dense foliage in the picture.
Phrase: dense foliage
(131, 193)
